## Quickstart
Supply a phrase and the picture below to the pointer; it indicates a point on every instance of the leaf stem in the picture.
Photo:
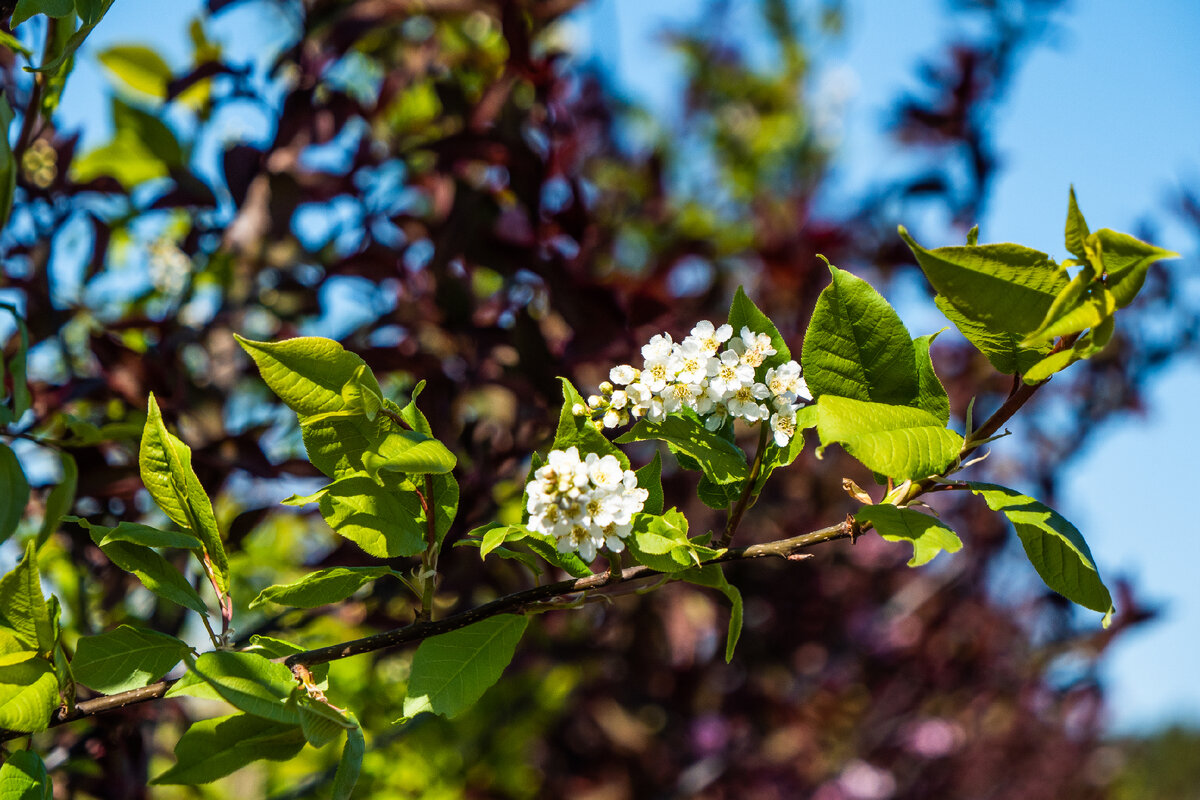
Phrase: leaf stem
(748, 494)
(429, 558)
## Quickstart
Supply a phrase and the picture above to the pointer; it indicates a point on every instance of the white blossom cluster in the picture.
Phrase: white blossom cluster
(585, 504)
(712, 372)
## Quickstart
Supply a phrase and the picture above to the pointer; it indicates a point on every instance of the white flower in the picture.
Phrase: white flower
(604, 472)
(755, 347)
(711, 339)
(783, 424)
(744, 402)
(785, 381)
(657, 373)
(681, 395)
(689, 362)
(611, 418)
(619, 399)
(717, 419)
(727, 374)
(623, 375)
(659, 348)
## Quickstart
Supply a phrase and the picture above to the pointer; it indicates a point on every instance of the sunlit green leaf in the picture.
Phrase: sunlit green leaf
(250, 683)
(126, 658)
(14, 492)
(897, 441)
(23, 607)
(383, 523)
(213, 748)
(138, 67)
(321, 722)
(578, 431)
(350, 764)
(743, 313)
(1002, 348)
(320, 588)
(23, 777)
(927, 535)
(721, 460)
(649, 478)
(1127, 260)
(28, 695)
(1077, 231)
(931, 395)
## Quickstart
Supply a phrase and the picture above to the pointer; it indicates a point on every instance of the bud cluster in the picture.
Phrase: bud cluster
(697, 373)
(585, 504)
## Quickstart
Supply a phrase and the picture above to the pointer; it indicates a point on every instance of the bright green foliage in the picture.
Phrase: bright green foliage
(28, 695)
(14, 492)
(649, 478)
(1126, 260)
(90, 13)
(662, 543)
(23, 607)
(927, 535)
(127, 658)
(51, 8)
(714, 577)
(931, 395)
(350, 764)
(23, 777)
(166, 467)
(213, 748)
(1002, 348)
(857, 347)
(778, 457)
(154, 571)
(898, 441)
(722, 461)
(1077, 231)
(308, 373)
(384, 523)
(451, 671)
(143, 148)
(1054, 547)
(743, 313)
(321, 722)
(1006, 287)
(250, 683)
(577, 431)
(320, 588)
(138, 67)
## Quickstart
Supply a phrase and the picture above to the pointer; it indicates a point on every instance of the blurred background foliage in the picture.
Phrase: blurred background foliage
(451, 193)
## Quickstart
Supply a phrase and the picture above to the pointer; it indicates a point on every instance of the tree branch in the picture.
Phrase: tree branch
(516, 603)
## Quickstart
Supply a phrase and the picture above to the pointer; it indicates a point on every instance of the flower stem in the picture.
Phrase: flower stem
(748, 494)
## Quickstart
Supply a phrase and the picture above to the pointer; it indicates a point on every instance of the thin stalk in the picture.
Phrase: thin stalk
(747, 498)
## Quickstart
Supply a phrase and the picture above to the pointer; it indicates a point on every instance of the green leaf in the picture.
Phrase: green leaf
(136, 533)
(154, 571)
(138, 67)
(412, 415)
(14, 492)
(927, 535)
(778, 457)
(900, 442)
(661, 542)
(545, 547)
(321, 722)
(1051, 364)
(649, 478)
(250, 683)
(23, 608)
(166, 468)
(20, 396)
(856, 346)
(1005, 287)
(1002, 348)
(308, 373)
(28, 695)
(320, 588)
(13, 649)
(60, 499)
(931, 395)
(1077, 231)
(713, 576)
(410, 452)
(23, 777)
(384, 524)
(1090, 308)
(1126, 260)
(578, 432)
(452, 671)
(350, 764)
(743, 313)
(127, 658)
(91, 12)
(213, 748)
(51, 8)
(444, 501)
(8, 170)
(1054, 547)
(722, 461)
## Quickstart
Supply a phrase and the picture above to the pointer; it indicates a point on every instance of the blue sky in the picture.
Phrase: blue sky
(1112, 107)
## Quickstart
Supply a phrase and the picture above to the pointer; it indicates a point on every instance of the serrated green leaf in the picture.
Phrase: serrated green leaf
(213, 748)
(722, 461)
(1077, 231)
(408, 452)
(856, 346)
(713, 576)
(897, 441)
(412, 415)
(321, 722)
(1051, 364)
(661, 542)
(1127, 260)
(154, 571)
(146, 536)
(743, 313)
(384, 524)
(13, 650)
(23, 777)
(1004, 287)
(126, 658)
(166, 468)
(350, 764)
(14, 492)
(60, 499)
(451, 672)
(138, 67)
(649, 478)
(927, 535)
(23, 608)
(28, 695)
(250, 683)
(931, 394)
(320, 588)
(545, 547)
(308, 373)
(1001, 348)
(1088, 309)
(1054, 547)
